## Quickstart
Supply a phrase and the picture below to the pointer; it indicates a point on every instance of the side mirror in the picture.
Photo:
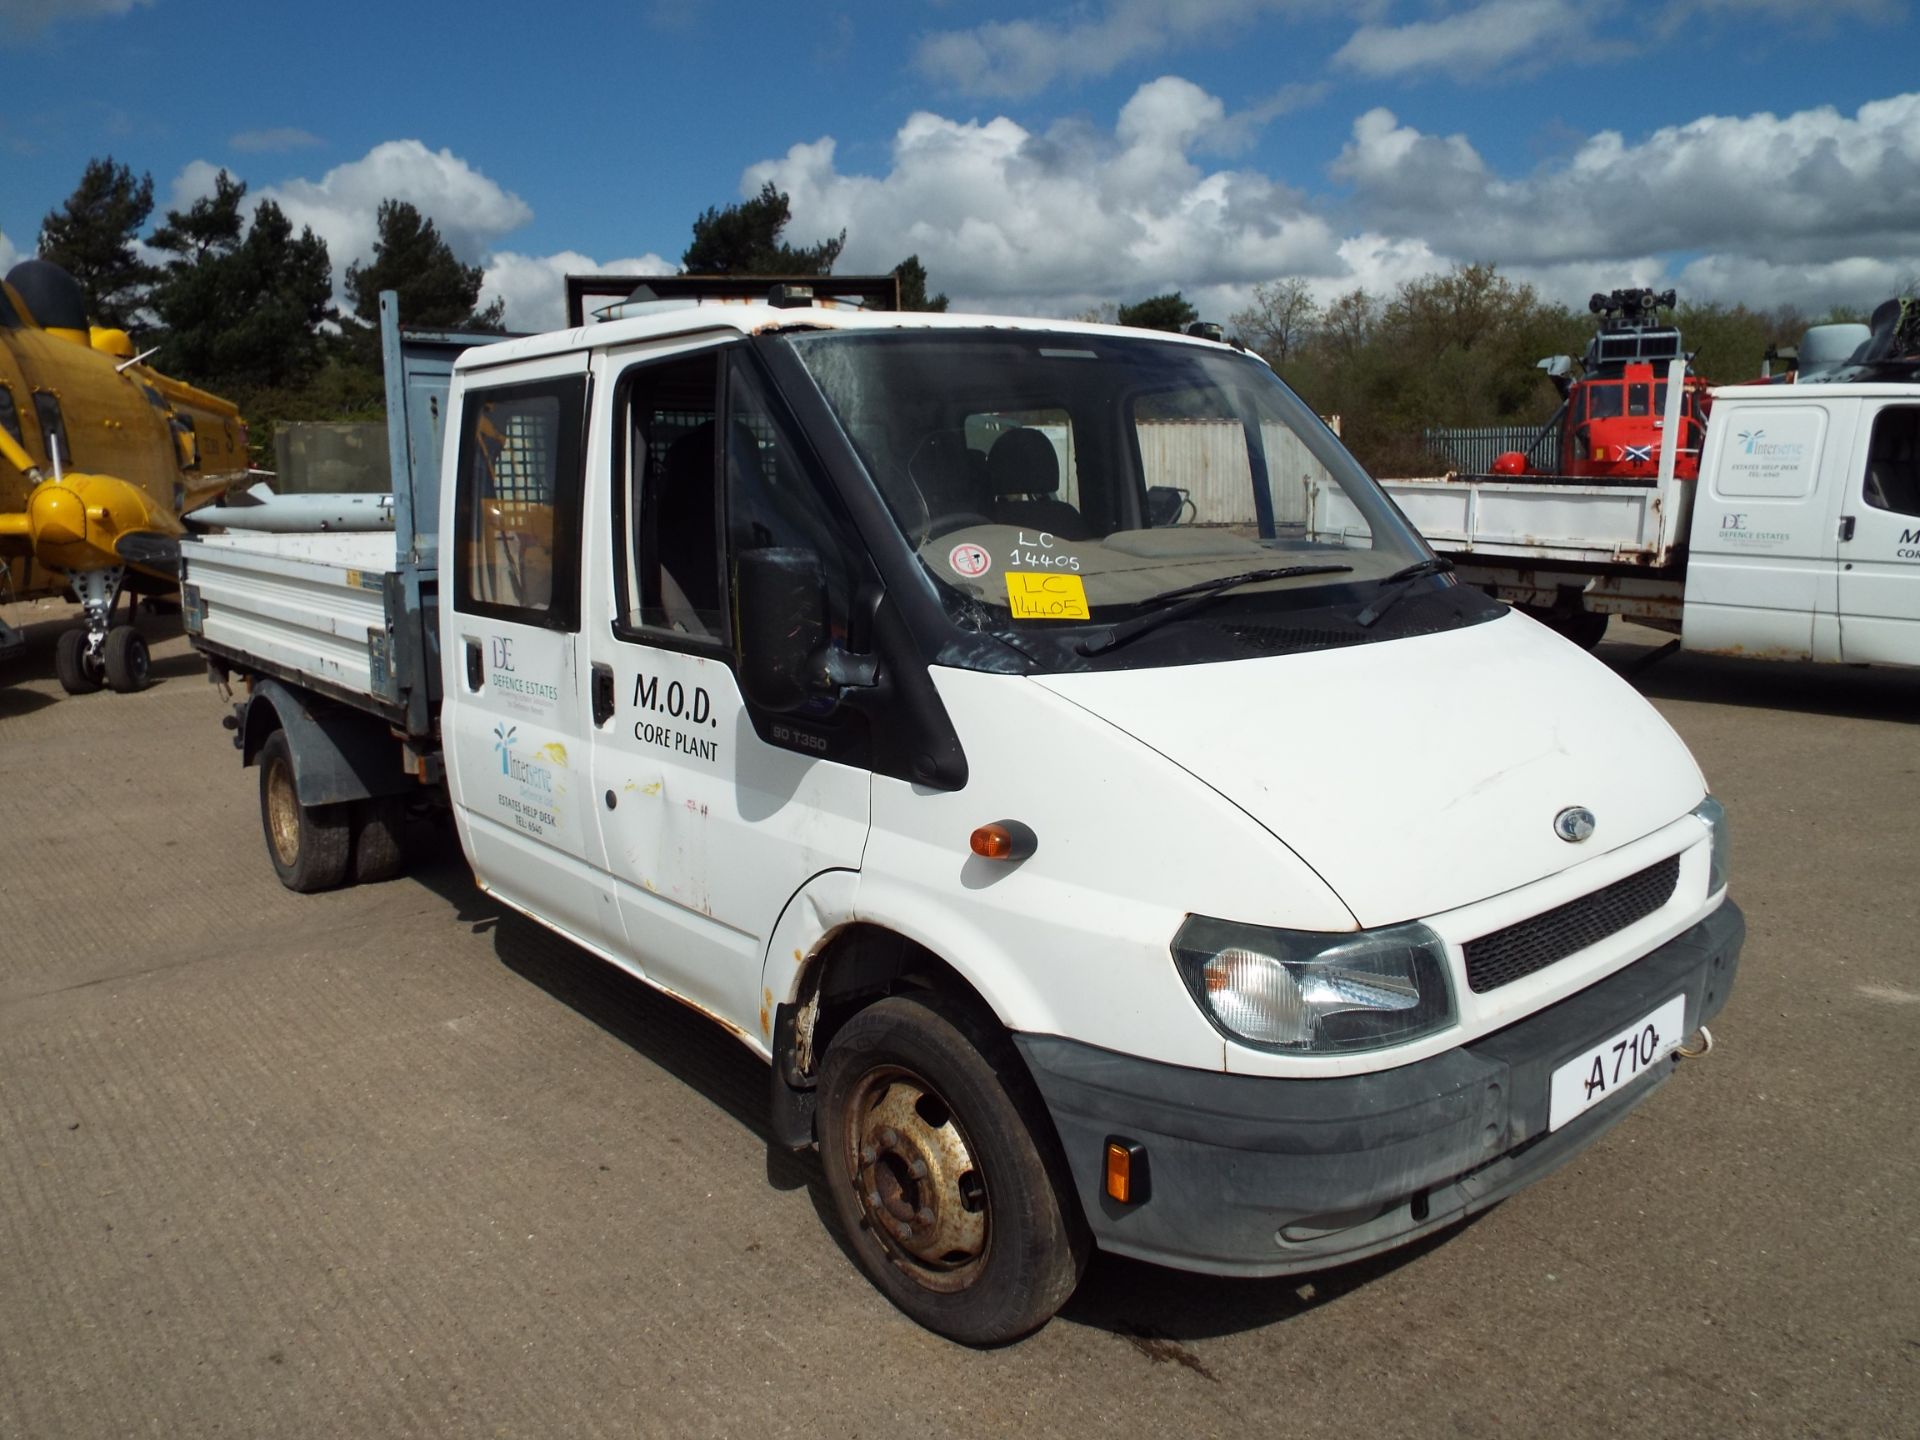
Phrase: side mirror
(1164, 505)
(786, 653)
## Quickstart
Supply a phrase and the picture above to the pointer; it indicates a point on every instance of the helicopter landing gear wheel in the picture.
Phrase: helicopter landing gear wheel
(128, 664)
(80, 669)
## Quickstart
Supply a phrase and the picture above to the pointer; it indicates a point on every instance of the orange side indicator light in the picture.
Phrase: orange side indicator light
(1126, 1171)
(1004, 840)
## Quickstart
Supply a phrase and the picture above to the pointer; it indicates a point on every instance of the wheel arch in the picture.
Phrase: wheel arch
(828, 961)
(338, 754)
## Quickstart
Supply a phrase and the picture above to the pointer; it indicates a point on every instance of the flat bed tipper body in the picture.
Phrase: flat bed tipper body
(1798, 540)
(881, 686)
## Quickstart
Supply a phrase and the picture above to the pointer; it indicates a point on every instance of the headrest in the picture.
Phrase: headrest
(1023, 462)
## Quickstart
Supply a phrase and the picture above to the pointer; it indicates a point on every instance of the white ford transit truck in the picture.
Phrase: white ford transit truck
(963, 712)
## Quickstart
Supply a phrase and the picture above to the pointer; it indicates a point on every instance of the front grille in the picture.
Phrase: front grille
(1519, 950)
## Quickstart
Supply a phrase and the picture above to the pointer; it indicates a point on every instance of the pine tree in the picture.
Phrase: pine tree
(241, 304)
(91, 237)
(913, 287)
(1159, 312)
(412, 259)
(744, 239)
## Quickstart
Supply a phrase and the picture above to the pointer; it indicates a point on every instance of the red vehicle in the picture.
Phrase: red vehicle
(1612, 419)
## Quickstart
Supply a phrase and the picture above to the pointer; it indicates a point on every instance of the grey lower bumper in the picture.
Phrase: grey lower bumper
(1257, 1176)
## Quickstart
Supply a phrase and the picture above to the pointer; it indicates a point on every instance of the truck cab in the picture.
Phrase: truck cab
(968, 715)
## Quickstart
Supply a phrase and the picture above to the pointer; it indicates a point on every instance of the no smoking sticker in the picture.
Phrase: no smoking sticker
(969, 560)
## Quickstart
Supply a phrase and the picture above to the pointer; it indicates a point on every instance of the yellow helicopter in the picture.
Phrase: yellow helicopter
(100, 456)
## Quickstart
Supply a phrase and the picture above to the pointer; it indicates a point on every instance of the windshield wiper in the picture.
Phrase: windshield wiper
(1403, 578)
(1195, 596)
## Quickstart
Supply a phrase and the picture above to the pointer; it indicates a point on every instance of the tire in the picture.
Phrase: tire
(379, 839)
(129, 665)
(932, 1141)
(308, 844)
(79, 673)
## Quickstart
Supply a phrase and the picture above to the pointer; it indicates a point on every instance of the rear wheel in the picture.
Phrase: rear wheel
(79, 673)
(379, 838)
(308, 844)
(129, 665)
(928, 1139)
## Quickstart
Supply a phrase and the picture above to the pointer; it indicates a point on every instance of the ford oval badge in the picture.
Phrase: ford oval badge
(1574, 824)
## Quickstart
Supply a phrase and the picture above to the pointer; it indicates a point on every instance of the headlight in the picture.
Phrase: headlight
(1315, 993)
(1713, 815)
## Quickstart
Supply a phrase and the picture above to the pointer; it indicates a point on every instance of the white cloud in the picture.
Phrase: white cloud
(9, 256)
(1807, 188)
(534, 285)
(29, 17)
(1016, 58)
(194, 182)
(1060, 221)
(470, 211)
(1473, 41)
(284, 137)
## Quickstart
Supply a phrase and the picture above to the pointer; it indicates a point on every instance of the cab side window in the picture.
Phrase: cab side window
(712, 472)
(672, 539)
(1893, 461)
(517, 507)
(10, 416)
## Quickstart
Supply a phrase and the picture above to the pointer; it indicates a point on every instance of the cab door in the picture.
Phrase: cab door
(1880, 539)
(711, 821)
(511, 719)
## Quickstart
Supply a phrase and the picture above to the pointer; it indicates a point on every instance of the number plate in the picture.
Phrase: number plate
(1612, 1065)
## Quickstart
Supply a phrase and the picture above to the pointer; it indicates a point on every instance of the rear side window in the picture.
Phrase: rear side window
(1893, 461)
(517, 505)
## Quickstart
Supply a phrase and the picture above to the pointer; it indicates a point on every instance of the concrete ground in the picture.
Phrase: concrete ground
(389, 1162)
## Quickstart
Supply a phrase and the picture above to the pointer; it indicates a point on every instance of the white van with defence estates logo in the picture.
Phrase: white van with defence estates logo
(964, 713)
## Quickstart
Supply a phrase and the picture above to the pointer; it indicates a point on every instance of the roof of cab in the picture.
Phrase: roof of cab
(758, 318)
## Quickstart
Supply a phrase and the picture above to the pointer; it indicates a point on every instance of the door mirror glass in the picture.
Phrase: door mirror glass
(782, 617)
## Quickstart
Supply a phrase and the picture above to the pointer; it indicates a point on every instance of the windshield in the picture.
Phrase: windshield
(1054, 480)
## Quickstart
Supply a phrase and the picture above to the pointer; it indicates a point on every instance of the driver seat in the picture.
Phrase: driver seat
(1023, 463)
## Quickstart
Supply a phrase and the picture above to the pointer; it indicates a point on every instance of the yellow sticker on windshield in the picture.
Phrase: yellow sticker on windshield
(1035, 596)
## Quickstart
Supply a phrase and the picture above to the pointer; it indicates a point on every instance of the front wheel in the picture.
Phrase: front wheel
(933, 1155)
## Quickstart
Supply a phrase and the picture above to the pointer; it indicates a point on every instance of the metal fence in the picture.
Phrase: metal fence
(1471, 449)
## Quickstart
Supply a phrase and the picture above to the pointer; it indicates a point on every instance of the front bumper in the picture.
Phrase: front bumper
(1257, 1176)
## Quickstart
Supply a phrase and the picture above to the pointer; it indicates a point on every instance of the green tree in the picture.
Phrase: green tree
(744, 239)
(913, 287)
(1281, 316)
(91, 237)
(412, 259)
(241, 304)
(1159, 312)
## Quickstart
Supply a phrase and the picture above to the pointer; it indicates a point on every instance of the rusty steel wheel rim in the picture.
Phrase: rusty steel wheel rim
(921, 1193)
(283, 812)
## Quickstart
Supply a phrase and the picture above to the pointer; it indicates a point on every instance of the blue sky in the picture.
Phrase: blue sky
(1042, 158)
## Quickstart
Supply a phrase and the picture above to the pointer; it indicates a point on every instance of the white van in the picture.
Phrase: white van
(960, 711)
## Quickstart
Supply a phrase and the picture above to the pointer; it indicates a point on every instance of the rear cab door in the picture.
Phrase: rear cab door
(512, 722)
(713, 818)
(1880, 536)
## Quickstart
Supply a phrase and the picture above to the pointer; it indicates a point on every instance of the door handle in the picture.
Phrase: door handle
(602, 694)
(476, 667)
(1846, 527)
